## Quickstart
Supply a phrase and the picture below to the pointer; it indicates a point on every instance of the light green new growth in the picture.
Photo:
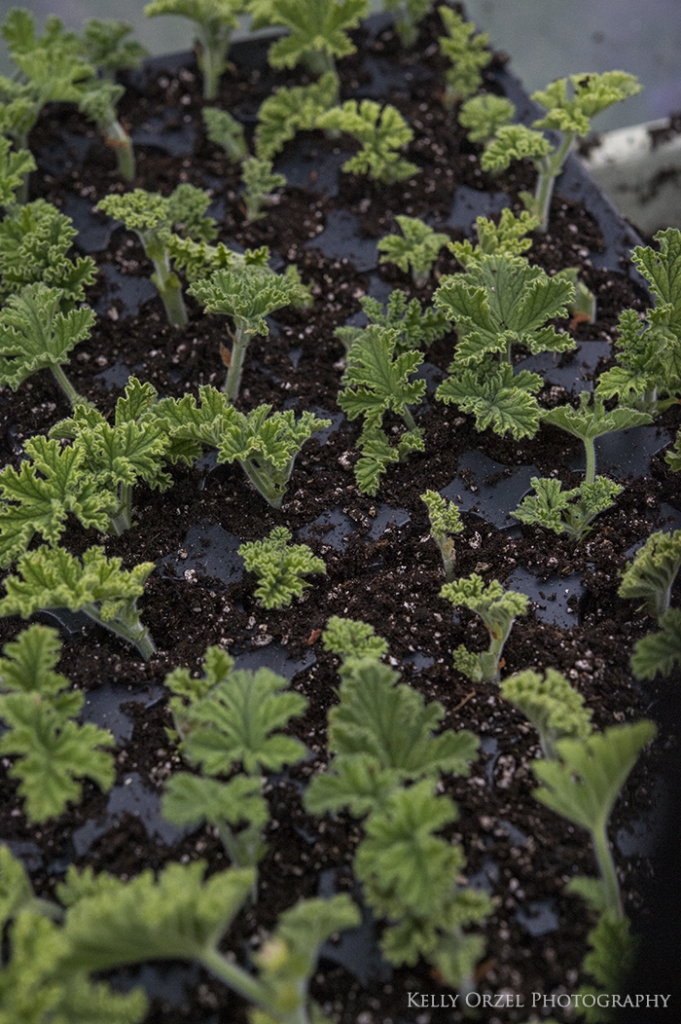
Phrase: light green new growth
(648, 354)
(382, 737)
(224, 130)
(570, 104)
(15, 166)
(444, 521)
(260, 183)
(610, 960)
(584, 784)
(571, 512)
(508, 237)
(228, 719)
(499, 302)
(591, 420)
(377, 381)
(318, 32)
(213, 22)
(498, 609)
(660, 651)
(52, 749)
(98, 103)
(280, 567)
(247, 295)
(351, 638)
(152, 216)
(105, 46)
(483, 116)
(199, 260)
(97, 585)
(417, 249)
(554, 708)
(36, 335)
(468, 53)
(381, 131)
(651, 575)
(415, 325)
(35, 240)
(288, 111)
(408, 15)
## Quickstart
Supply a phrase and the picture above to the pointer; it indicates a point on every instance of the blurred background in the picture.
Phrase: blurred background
(546, 39)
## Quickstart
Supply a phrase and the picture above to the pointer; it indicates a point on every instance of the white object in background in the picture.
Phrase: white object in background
(639, 168)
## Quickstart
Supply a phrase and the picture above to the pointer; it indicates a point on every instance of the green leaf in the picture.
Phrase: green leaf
(358, 783)
(176, 916)
(571, 511)
(661, 651)
(416, 249)
(288, 111)
(191, 800)
(415, 325)
(16, 890)
(483, 116)
(260, 182)
(590, 94)
(353, 639)
(584, 784)
(248, 295)
(105, 45)
(237, 722)
(381, 132)
(553, 707)
(14, 169)
(28, 663)
(224, 130)
(315, 26)
(514, 142)
(591, 419)
(468, 53)
(376, 379)
(498, 400)
(497, 608)
(652, 573)
(611, 956)
(280, 566)
(508, 237)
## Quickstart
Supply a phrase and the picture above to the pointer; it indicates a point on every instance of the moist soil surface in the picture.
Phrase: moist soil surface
(381, 565)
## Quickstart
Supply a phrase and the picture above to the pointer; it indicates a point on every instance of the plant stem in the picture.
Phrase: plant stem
(168, 285)
(273, 493)
(590, 449)
(549, 169)
(122, 520)
(240, 341)
(67, 387)
(134, 632)
(606, 867)
(408, 419)
(234, 976)
(118, 139)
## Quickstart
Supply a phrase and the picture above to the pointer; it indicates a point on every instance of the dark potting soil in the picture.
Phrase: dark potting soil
(381, 566)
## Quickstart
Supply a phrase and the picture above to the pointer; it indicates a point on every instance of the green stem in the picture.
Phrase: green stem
(606, 867)
(168, 285)
(319, 62)
(235, 977)
(118, 139)
(590, 449)
(408, 419)
(67, 387)
(123, 518)
(272, 492)
(549, 169)
(237, 360)
(134, 632)
(211, 58)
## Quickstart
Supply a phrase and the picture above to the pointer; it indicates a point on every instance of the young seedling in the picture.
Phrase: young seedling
(377, 381)
(415, 325)
(673, 456)
(260, 184)
(318, 32)
(444, 522)
(198, 260)
(382, 132)
(554, 708)
(499, 302)
(498, 609)
(570, 104)
(417, 249)
(151, 216)
(484, 115)
(98, 102)
(246, 295)
(583, 785)
(280, 567)
(224, 130)
(648, 354)
(382, 737)
(213, 22)
(469, 55)
(660, 651)
(35, 240)
(591, 420)
(508, 237)
(570, 512)
(15, 166)
(650, 577)
(106, 46)
(97, 585)
(351, 638)
(36, 335)
(229, 719)
(40, 714)
(408, 15)
(289, 111)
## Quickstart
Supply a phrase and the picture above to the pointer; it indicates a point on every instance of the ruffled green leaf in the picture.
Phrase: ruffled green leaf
(651, 575)
(661, 651)
(280, 566)
(554, 708)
